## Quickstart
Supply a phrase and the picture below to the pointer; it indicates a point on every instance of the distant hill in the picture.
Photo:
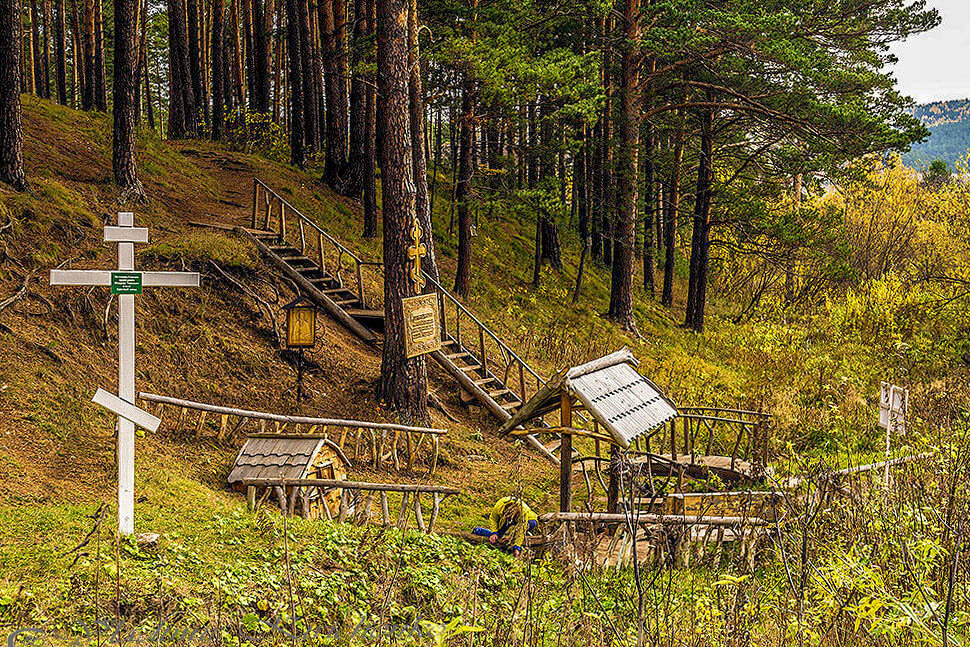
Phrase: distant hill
(949, 124)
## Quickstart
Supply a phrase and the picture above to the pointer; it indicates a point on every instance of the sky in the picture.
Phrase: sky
(932, 65)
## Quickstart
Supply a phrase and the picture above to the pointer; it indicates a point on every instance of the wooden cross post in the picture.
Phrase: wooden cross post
(566, 455)
(126, 283)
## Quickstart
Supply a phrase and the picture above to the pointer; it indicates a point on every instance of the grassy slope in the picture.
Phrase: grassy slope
(213, 345)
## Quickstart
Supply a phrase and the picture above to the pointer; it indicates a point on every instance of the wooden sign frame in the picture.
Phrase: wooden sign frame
(422, 325)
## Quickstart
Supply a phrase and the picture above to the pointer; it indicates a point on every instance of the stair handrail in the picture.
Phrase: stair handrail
(501, 344)
(340, 247)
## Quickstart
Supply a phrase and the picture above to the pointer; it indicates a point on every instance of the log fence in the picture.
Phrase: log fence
(359, 502)
(381, 446)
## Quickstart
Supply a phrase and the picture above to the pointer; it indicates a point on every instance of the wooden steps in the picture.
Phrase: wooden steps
(476, 373)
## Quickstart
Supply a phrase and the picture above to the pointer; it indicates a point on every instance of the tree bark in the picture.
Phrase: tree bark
(35, 48)
(333, 36)
(352, 177)
(404, 382)
(650, 213)
(195, 60)
(700, 238)
(621, 284)
(311, 113)
(295, 79)
(11, 127)
(369, 163)
(89, 100)
(46, 60)
(181, 113)
(606, 168)
(100, 84)
(672, 206)
(463, 187)
(419, 154)
(124, 97)
(262, 29)
(218, 68)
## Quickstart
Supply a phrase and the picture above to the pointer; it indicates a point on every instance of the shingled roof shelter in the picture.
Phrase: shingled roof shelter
(288, 456)
(617, 397)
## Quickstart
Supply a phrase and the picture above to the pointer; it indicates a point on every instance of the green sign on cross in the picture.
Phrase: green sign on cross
(126, 283)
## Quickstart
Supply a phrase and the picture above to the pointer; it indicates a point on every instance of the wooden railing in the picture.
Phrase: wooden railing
(272, 212)
(356, 500)
(712, 431)
(470, 335)
(376, 444)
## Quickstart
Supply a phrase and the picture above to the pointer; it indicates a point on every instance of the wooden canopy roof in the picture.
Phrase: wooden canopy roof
(274, 456)
(626, 403)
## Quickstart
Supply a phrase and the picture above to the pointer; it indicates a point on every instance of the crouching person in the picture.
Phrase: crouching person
(510, 521)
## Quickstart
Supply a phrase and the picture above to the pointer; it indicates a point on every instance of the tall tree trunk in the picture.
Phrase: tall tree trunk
(11, 128)
(465, 173)
(36, 46)
(100, 83)
(582, 207)
(609, 195)
(89, 100)
(310, 107)
(181, 121)
(369, 163)
(195, 63)
(333, 36)
(672, 206)
(621, 284)
(416, 119)
(352, 177)
(124, 97)
(295, 79)
(650, 212)
(149, 107)
(47, 49)
(218, 80)
(700, 238)
(262, 14)
(77, 57)
(404, 382)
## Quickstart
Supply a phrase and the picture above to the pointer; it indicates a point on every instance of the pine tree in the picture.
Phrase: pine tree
(11, 128)
(404, 382)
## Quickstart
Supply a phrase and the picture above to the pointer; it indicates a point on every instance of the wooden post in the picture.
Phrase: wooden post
(436, 506)
(385, 513)
(405, 498)
(613, 494)
(566, 456)
(251, 498)
(673, 440)
(255, 197)
(418, 516)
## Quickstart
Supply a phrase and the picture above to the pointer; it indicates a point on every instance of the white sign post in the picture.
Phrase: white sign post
(893, 409)
(126, 283)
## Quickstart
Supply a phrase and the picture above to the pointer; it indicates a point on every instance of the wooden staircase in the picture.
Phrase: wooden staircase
(332, 276)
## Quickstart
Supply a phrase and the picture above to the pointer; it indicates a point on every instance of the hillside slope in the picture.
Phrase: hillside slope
(949, 140)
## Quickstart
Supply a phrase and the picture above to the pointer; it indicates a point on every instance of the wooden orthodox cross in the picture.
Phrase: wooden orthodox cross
(126, 283)
(415, 253)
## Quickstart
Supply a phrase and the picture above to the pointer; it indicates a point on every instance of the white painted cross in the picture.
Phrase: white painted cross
(126, 283)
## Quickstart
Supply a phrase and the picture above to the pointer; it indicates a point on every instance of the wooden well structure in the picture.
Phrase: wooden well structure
(279, 459)
(619, 400)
